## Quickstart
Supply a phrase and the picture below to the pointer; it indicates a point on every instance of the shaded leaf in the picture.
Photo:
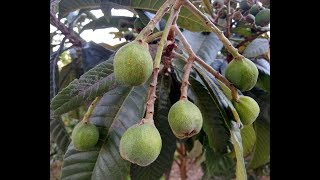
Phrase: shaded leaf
(93, 83)
(264, 74)
(257, 47)
(241, 173)
(196, 150)
(117, 110)
(217, 164)
(248, 136)
(164, 161)
(54, 75)
(67, 6)
(186, 19)
(115, 21)
(93, 54)
(205, 45)
(261, 152)
(58, 132)
(213, 119)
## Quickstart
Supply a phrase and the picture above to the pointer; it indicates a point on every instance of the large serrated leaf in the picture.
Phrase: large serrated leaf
(248, 139)
(256, 48)
(213, 120)
(93, 83)
(241, 173)
(117, 110)
(164, 161)
(217, 164)
(261, 152)
(205, 45)
(186, 19)
(93, 54)
(264, 74)
(115, 21)
(58, 132)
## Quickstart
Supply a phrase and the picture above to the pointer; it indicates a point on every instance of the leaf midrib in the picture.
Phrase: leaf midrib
(117, 114)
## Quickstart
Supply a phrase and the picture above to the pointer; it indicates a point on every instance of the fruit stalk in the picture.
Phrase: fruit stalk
(185, 78)
(152, 90)
(216, 74)
(90, 109)
(146, 31)
(227, 44)
(154, 36)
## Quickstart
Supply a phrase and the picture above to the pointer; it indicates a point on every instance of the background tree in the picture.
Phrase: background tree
(224, 148)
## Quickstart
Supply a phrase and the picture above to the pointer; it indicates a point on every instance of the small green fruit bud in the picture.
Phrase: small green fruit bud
(247, 108)
(84, 136)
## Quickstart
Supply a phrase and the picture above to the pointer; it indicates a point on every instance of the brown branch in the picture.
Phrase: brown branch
(247, 39)
(228, 20)
(185, 78)
(68, 32)
(216, 74)
(183, 164)
(152, 90)
(227, 44)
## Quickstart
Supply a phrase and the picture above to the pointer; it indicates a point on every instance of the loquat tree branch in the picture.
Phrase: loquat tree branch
(152, 90)
(216, 74)
(227, 44)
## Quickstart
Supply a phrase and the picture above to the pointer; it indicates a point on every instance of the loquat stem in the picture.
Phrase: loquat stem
(153, 36)
(185, 78)
(216, 74)
(146, 31)
(90, 109)
(227, 44)
(152, 89)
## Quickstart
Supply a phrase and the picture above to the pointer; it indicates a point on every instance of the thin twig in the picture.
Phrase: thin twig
(57, 54)
(69, 33)
(228, 19)
(216, 74)
(153, 36)
(185, 78)
(146, 31)
(210, 25)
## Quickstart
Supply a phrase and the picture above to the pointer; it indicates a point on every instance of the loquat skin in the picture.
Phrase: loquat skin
(141, 144)
(133, 64)
(247, 108)
(85, 136)
(185, 119)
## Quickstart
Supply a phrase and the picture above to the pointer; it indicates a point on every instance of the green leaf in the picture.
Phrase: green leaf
(117, 110)
(257, 47)
(67, 6)
(264, 74)
(261, 152)
(205, 45)
(217, 164)
(186, 19)
(241, 173)
(67, 74)
(164, 161)
(58, 132)
(213, 119)
(93, 83)
(248, 136)
(115, 21)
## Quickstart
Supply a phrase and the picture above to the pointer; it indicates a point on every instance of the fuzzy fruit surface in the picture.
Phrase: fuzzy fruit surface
(263, 17)
(185, 119)
(255, 9)
(133, 64)
(141, 144)
(247, 108)
(245, 5)
(84, 136)
(242, 73)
